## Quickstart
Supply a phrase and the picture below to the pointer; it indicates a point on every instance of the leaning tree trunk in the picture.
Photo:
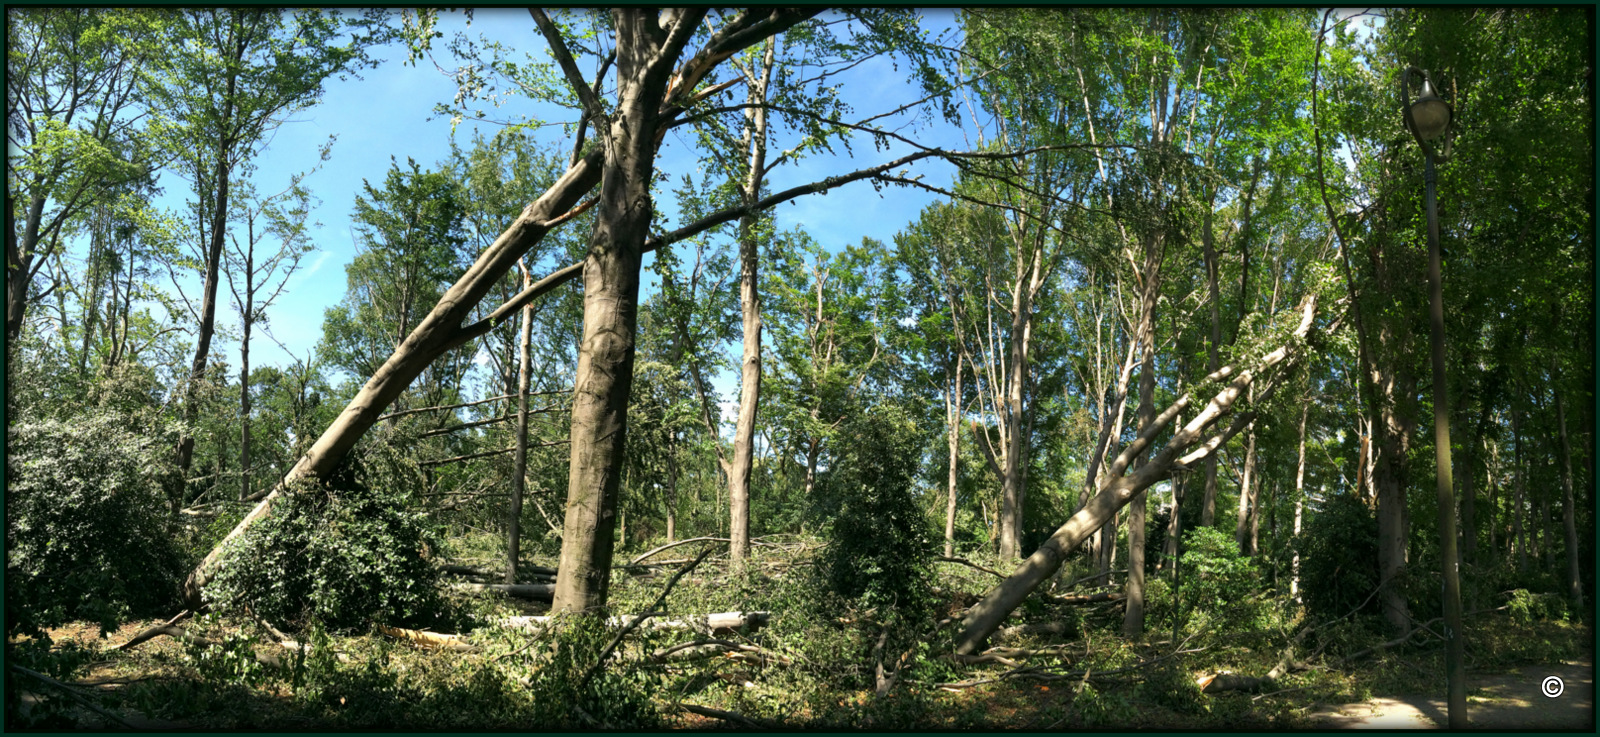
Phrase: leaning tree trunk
(1119, 488)
(440, 331)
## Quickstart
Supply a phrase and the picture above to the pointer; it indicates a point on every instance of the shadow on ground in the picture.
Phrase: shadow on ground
(1513, 701)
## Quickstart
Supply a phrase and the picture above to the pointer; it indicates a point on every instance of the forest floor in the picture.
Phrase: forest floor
(1149, 683)
(152, 691)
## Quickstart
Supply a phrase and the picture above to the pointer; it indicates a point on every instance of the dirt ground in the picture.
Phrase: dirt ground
(1501, 701)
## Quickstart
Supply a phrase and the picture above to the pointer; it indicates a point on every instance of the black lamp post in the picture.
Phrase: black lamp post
(1428, 118)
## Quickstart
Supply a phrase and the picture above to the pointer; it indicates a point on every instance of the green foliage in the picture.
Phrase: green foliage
(879, 540)
(619, 695)
(231, 659)
(1339, 568)
(1527, 607)
(347, 558)
(1215, 575)
(1218, 585)
(87, 528)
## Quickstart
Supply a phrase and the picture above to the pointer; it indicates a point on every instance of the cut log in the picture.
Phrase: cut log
(719, 623)
(1045, 628)
(428, 639)
(1222, 682)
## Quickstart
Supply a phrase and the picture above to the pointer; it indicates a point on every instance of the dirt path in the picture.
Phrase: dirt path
(1511, 701)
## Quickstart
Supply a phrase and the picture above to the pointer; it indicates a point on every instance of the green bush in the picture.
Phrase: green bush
(1217, 582)
(1214, 574)
(345, 558)
(87, 524)
(1339, 567)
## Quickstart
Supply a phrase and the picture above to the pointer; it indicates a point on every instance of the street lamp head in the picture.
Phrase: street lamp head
(1430, 116)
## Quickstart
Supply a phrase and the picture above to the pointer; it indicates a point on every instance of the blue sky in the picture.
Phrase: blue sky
(389, 112)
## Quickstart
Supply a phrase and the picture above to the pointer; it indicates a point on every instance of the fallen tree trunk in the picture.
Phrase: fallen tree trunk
(728, 716)
(537, 575)
(1118, 487)
(1088, 599)
(709, 648)
(534, 591)
(719, 623)
(154, 631)
(74, 693)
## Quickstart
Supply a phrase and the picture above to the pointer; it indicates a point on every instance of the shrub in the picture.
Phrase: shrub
(1213, 572)
(879, 540)
(1215, 578)
(87, 524)
(1339, 565)
(345, 558)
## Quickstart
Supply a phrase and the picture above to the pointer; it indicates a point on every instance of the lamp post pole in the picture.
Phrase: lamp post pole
(1429, 117)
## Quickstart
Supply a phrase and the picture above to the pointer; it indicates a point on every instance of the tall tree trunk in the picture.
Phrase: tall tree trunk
(1389, 472)
(1242, 532)
(750, 305)
(1109, 429)
(1133, 609)
(519, 462)
(604, 378)
(213, 267)
(248, 320)
(21, 253)
(1519, 537)
(952, 410)
(1169, 546)
(672, 490)
(1208, 504)
(1489, 469)
(1299, 503)
(1568, 510)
